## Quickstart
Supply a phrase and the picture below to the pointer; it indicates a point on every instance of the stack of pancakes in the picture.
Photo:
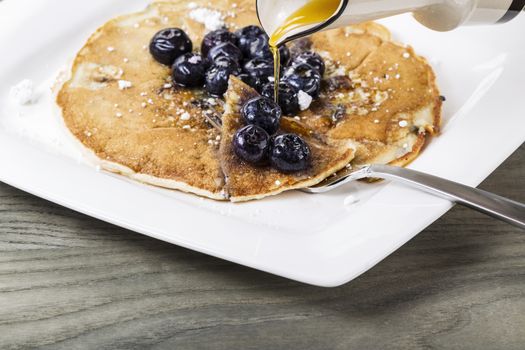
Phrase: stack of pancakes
(379, 104)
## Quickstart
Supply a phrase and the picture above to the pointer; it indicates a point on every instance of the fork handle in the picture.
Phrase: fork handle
(482, 201)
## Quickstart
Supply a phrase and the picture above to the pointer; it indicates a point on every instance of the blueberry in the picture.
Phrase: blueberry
(259, 66)
(302, 76)
(189, 70)
(246, 36)
(289, 153)
(168, 44)
(263, 112)
(250, 31)
(256, 82)
(313, 59)
(228, 62)
(217, 80)
(259, 69)
(215, 38)
(288, 99)
(251, 144)
(284, 53)
(246, 78)
(225, 50)
(259, 48)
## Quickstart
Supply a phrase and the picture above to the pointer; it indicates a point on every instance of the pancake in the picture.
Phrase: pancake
(120, 104)
(247, 182)
(147, 131)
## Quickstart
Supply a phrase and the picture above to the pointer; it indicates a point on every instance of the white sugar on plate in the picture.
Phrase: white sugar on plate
(31, 112)
(350, 200)
(23, 92)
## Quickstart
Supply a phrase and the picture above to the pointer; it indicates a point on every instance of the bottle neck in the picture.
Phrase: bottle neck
(446, 14)
(358, 11)
(451, 14)
(495, 11)
(440, 15)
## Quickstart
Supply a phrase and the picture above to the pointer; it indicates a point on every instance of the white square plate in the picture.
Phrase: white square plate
(325, 240)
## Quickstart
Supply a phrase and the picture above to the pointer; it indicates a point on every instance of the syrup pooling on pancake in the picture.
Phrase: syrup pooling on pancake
(123, 106)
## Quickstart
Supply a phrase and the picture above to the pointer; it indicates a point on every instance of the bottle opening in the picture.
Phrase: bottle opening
(285, 20)
(314, 12)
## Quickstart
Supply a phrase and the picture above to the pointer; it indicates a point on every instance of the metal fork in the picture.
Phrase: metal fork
(485, 202)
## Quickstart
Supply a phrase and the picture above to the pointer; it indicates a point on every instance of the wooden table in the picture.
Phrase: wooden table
(68, 281)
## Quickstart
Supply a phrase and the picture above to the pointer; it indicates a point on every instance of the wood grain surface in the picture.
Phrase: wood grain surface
(68, 281)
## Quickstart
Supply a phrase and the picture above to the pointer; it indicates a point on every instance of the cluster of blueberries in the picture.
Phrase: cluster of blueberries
(253, 143)
(246, 54)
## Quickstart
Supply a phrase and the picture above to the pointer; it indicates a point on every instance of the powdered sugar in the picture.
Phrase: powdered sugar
(211, 19)
(31, 116)
(195, 59)
(305, 100)
(185, 116)
(23, 92)
(124, 84)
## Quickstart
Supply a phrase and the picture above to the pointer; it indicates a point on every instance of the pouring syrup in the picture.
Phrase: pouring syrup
(441, 15)
(313, 12)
